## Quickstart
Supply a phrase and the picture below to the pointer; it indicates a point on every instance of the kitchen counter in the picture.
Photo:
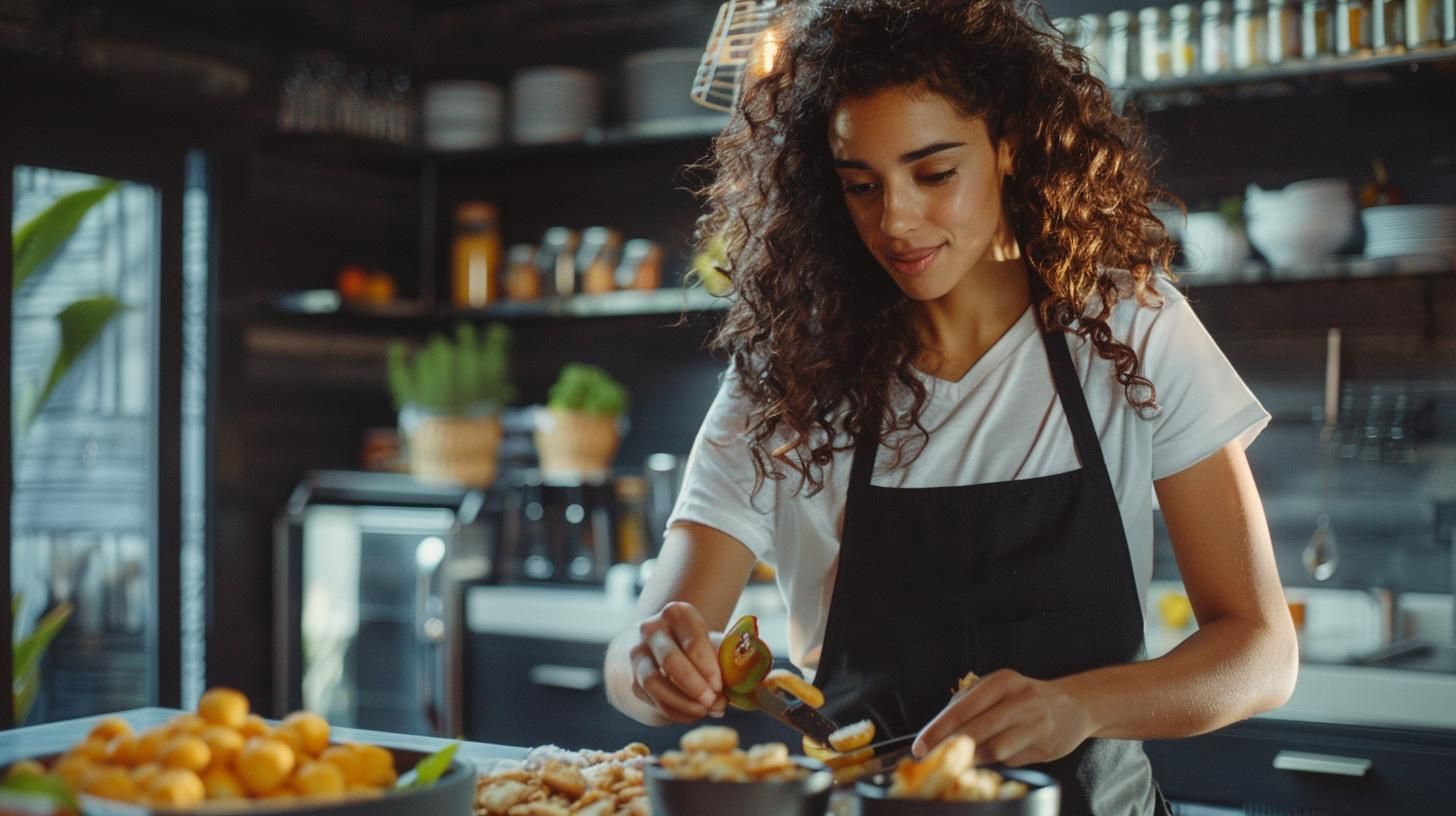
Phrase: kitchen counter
(54, 738)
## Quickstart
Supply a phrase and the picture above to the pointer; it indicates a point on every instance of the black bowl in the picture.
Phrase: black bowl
(453, 794)
(670, 796)
(1044, 798)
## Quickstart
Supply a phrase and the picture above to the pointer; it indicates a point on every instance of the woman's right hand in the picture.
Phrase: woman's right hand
(675, 664)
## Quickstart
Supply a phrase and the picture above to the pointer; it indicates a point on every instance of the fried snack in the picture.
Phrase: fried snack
(552, 782)
(790, 683)
(852, 736)
(710, 739)
(948, 774)
(966, 681)
(769, 762)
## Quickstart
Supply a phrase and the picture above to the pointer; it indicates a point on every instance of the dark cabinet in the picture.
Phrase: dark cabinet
(1271, 766)
(537, 691)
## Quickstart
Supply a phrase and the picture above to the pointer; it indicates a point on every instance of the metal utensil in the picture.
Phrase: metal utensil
(794, 714)
(1322, 553)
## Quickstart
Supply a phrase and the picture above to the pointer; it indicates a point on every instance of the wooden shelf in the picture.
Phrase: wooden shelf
(631, 303)
(1337, 268)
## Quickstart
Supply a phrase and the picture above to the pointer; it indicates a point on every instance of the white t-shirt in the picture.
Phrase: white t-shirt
(1001, 421)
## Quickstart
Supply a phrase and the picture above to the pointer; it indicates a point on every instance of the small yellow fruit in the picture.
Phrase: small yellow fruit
(376, 765)
(293, 738)
(1175, 610)
(109, 782)
(313, 728)
(346, 760)
(25, 767)
(109, 727)
(255, 726)
(93, 748)
(143, 774)
(364, 791)
(221, 783)
(264, 764)
(319, 779)
(224, 743)
(176, 787)
(149, 745)
(224, 706)
(186, 751)
(72, 768)
(187, 724)
(121, 750)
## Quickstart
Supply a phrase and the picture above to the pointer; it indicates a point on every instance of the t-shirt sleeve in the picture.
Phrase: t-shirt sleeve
(717, 487)
(1205, 404)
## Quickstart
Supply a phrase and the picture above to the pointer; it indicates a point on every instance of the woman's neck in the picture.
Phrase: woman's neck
(957, 329)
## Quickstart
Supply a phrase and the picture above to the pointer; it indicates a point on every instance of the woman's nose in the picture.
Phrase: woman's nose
(901, 213)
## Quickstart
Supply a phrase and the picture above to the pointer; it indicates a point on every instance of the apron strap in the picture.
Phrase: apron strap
(1069, 389)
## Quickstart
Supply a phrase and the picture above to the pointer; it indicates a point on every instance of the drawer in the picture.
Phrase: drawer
(535, 691)
(1314, 768)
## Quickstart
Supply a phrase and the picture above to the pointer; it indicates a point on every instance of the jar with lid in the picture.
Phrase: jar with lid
(1092, 38)
(596, 260)
(1316, 35)
(476, 262)
(1182, 40)
(1283, 31)
(557, 260)
(1153, 56)
(631, 519)
(1215, 38)
(641, 266)
(1121, 48)
(1423, 22)
(1387, 25)
(523, 277)
(1448, 22)
(1352, 27)
(1251, 40)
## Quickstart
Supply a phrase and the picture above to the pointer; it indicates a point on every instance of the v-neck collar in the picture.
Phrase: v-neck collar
(1019, 332)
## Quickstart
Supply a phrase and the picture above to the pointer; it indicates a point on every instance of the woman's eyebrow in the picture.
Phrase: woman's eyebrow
(913, 156)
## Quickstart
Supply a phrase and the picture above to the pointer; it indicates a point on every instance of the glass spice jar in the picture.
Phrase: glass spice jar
(1283, 31)
(476, 261)
(1121, 47)
(1316, 36)
(1387, 25)
(1352, 27)
(1215, 38)
(1182, 41)
(1250, 35)
(1153, 56)
(1423, 23)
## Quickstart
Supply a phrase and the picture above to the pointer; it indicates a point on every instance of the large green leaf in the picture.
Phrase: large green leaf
(39, 238)
(25, 666)
(46, 789)
(430, 769)
(81, 323)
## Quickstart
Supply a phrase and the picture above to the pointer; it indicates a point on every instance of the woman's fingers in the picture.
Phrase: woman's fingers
(968, 705)
(657, 690)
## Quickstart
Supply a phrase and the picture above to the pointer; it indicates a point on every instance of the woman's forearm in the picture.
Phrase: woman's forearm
(1227, 671)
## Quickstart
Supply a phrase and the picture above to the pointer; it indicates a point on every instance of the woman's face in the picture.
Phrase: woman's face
(923, 185)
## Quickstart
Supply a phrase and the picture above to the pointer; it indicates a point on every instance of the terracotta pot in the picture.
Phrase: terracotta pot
(455, 449)
(572, 443)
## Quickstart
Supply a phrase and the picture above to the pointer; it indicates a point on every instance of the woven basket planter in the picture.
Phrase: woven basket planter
(455, 449)
(572, 443)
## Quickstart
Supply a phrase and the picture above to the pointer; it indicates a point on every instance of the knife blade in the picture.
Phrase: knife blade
(794, 714)
(881, 756)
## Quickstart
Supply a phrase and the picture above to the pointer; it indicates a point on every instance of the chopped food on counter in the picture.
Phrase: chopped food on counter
(552, 781)
(711, 753)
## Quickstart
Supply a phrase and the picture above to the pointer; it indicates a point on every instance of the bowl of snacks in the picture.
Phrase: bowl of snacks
(713, 776)
(222, 760)
(947, 783)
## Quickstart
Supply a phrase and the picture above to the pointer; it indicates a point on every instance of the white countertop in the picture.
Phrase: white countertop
(1327, 693)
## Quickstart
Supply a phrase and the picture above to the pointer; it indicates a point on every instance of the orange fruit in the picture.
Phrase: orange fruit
(223, 706)
(293, 738)
(149, 745)
(376, 765)
(311, 727)
(264, 764)
(121, 750)
(187, 724)
(72, 768)
(255, 726)
(364, 791)
(319, 779)
(221, 783)
(109, 727)
(344, 758)
(186, 751)
(176, 787)
(224, 743)
(143, 774)
(379, 288)
(93, 748)
(109, 782)
(352, 282)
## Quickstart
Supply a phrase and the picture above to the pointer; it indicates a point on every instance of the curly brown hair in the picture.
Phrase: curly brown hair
(822, 339)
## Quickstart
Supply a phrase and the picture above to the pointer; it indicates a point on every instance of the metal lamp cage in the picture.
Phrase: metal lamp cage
(731, 51)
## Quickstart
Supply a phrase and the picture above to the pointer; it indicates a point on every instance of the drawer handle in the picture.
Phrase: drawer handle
(571, 678)
(1321, 763)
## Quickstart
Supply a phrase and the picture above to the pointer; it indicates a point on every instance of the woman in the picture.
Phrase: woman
(958, 378)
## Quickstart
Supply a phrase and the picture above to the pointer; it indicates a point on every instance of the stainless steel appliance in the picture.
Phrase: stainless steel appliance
(370, 572)
(557, 530)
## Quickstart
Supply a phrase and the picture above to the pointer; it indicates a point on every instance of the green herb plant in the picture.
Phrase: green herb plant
(587, 389)
(454, 377)
(27, 652)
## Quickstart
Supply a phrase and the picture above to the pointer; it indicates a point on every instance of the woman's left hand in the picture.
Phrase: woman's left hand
(1014, 720)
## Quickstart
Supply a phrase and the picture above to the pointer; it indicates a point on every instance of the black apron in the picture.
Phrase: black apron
(1032, 575)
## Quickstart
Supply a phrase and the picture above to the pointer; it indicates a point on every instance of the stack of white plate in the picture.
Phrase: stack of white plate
(553, 103)
(463, 115)
(658, 87)
(1409, 229)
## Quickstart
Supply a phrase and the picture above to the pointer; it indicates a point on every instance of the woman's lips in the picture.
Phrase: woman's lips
(914, 262)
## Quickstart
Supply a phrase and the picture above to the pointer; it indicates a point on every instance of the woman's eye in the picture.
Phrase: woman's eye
(859, 189)
(939, 178)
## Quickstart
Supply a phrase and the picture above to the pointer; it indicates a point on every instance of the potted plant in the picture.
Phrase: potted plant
(578, 432)
(449, 394)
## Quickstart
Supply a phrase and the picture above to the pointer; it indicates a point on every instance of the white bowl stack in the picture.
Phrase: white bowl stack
(1302, 225)
(1409, 229)
(463, 115)
(554, 103)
